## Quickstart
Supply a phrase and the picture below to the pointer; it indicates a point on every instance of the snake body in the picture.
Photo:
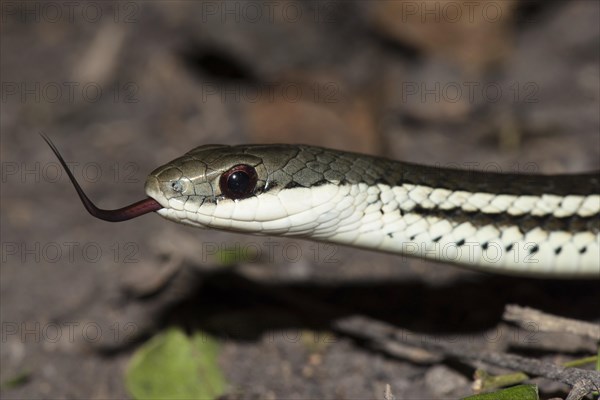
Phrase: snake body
(536, 225)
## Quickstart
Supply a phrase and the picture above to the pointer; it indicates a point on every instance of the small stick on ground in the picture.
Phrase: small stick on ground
(381, 334)
(387, 395)
(524, 316)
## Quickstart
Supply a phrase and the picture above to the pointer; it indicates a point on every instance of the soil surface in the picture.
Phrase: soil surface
(124, 87)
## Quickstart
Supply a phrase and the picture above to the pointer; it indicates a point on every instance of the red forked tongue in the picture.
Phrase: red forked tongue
(122, 214)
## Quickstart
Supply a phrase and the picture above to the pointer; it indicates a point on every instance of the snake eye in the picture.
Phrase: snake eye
(239, 182)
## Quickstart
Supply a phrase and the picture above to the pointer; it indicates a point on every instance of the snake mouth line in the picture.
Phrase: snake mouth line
(121, 214)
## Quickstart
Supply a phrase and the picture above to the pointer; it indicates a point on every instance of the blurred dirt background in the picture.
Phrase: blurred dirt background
(122, 87)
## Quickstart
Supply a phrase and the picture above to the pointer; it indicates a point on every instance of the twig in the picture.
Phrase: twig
(580, 390)
(524, 316)
(382, 333)
(485, 381)
(387, 395)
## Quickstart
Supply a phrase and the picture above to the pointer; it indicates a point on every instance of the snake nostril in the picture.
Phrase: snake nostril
(177, 186)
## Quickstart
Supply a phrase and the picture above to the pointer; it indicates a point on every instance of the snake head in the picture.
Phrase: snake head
(191, 187)
(250, 188)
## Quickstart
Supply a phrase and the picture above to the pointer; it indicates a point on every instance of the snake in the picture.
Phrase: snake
(532, 225)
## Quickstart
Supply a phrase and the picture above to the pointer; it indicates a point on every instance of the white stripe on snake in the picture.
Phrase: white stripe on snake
(534, 225)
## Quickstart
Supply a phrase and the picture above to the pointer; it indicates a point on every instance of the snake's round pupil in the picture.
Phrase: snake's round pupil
(238, 182)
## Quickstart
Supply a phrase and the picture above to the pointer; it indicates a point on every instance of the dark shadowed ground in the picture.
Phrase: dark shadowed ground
(124, 87)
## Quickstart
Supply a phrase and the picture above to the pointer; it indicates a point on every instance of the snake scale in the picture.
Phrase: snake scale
(533, 225)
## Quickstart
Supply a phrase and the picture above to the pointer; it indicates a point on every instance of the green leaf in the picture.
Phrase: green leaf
(521, 392)
(18, 380)
(172, 365)
(232, 256)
